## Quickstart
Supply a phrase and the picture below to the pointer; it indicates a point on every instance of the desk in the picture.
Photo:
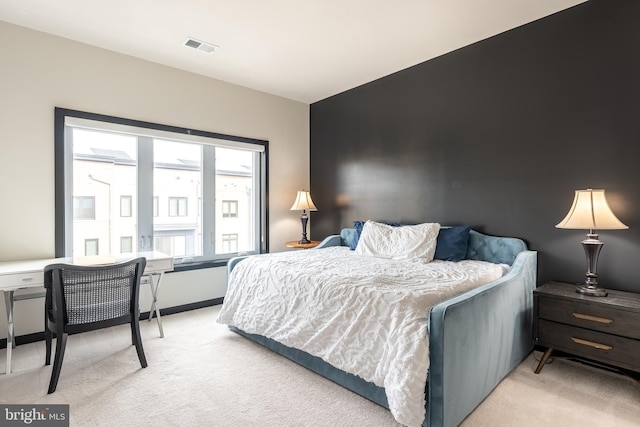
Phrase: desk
(15, 275)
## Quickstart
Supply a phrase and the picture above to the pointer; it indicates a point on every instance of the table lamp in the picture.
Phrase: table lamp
(303, 203)
(590, 211)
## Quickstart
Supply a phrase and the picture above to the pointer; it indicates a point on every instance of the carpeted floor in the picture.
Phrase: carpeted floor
(201, 374)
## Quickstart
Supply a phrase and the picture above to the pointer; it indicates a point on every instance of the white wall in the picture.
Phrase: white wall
(39, 72)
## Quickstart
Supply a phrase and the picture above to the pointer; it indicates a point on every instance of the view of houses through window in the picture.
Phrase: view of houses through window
(136, 193)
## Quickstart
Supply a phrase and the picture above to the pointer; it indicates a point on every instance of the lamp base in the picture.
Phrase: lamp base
(591, 290)
(592, 246)
(304, 219)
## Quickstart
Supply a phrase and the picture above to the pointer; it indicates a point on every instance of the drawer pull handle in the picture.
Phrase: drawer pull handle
(27, 279)
(592, 318)
(591, 344)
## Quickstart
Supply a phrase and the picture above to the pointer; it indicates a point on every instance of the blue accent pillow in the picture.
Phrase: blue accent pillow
(358, 225)
(452, 243)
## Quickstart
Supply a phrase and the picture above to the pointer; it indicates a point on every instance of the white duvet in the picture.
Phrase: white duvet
(367, 316)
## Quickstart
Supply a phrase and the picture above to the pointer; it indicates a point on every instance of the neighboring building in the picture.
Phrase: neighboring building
(106, 204)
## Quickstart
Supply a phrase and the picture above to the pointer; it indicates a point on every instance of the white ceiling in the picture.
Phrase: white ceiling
(298, 49)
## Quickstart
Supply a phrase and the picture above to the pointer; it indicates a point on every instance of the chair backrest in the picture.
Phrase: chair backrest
(81, 295)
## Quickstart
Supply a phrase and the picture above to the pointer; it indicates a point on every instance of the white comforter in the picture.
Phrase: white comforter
(367, 316)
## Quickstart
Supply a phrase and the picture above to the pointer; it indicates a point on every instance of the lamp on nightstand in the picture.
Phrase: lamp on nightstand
(303, 203)
(590, 211)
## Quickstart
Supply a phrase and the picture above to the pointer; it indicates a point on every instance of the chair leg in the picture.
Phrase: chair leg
(61, 344)
(47, 338)
(137, 341)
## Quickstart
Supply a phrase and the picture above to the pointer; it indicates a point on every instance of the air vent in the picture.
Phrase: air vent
(201, 46)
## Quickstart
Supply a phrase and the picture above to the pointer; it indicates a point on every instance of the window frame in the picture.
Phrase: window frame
(64, 185)
(91, 217)
(227, 212)
(229, 238)
(126, 239)
(126, 206)
(90, 241)
(180, 201)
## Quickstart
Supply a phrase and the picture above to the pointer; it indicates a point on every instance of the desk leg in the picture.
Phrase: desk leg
(154, 297)
(8, 300)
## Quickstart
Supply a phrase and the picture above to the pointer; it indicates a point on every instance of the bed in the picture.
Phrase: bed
(473, 338)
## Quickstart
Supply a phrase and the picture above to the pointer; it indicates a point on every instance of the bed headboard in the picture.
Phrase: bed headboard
(500, 250)
(482, 247)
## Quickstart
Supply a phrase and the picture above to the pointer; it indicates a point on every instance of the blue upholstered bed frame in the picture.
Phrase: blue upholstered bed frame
(475, 339)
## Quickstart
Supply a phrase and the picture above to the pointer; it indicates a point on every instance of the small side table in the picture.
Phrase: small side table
(295, 244)
(601, 329)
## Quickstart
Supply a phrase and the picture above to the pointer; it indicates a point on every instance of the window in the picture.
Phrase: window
(91, 247)
(229, 243)
(175, 243)
(125, 206)
(123, 174)
(229, 209)
(178, 206)
(126, 244)
(84, 207)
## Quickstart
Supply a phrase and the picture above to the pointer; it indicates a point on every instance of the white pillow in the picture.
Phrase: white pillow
(408, 242)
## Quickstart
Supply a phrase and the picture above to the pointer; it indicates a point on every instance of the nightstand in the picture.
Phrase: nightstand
(295, 244)
(601, 329)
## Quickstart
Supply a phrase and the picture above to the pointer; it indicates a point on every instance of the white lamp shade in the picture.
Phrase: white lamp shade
(590, 211)
(303, 202)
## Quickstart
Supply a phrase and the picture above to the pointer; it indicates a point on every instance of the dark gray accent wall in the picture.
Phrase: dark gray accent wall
(498, 135)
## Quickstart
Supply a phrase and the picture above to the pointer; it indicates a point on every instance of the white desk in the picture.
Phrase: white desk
(15, 275)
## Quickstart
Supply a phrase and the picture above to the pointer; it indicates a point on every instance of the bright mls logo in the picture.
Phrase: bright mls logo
(35, 415)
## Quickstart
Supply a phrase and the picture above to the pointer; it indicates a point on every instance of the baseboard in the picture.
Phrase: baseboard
(39, 336)
(182, 308)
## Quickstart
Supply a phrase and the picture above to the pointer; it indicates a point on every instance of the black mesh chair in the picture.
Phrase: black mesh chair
(85, 298)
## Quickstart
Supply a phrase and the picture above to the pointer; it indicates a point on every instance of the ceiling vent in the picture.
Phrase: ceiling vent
(201, 46)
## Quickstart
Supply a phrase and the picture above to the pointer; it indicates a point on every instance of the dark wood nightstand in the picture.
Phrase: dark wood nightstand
(601, 329)
(295, 244)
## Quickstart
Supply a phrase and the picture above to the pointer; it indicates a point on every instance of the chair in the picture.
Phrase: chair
(85, 298)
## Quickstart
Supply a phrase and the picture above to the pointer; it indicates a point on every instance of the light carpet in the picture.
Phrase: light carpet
(201, 374)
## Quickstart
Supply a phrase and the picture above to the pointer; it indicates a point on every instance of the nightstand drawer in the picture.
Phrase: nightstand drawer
(598, 318)
(598, 346)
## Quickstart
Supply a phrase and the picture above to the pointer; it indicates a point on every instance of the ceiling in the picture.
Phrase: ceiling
(298, 49)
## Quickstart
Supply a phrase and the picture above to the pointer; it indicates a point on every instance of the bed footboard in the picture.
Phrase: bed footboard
(476, 339)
